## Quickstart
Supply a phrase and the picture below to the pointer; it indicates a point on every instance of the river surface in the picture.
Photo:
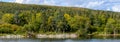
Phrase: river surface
(59, 40)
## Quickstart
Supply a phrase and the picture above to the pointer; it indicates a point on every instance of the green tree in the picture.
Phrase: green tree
(34, 24)
(110, 25)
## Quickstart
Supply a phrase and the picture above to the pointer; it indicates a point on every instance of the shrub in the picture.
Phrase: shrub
(8, 28)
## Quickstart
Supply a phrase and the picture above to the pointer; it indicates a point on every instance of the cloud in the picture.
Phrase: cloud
(19, 1)
(93, 4)
(50, 2)
(116, 8)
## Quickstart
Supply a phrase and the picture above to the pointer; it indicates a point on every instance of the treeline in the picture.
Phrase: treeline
(20, 18)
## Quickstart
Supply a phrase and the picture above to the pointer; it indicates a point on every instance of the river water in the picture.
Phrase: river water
(59, 40)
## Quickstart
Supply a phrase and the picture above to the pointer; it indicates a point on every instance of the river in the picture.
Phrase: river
(59, 40)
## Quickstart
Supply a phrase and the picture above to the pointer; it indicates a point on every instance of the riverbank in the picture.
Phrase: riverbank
(12, 36)
(59, 36)
(107, 35)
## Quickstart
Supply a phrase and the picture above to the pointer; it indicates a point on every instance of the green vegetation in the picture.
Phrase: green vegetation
(21, 18)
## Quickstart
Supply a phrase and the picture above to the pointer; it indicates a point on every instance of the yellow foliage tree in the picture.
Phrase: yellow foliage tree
(67, 16)
(7, 18)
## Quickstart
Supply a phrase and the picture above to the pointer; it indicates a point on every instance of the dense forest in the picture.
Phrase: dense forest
(20, 18)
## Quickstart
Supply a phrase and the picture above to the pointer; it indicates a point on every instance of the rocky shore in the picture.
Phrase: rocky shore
(57, 36)
(43, 36)
(12, 36)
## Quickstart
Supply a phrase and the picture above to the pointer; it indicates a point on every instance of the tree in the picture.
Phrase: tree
(110, 25)
(8, 18)
(34, 24)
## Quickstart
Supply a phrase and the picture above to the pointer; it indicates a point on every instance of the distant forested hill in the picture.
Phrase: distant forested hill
(19, 18)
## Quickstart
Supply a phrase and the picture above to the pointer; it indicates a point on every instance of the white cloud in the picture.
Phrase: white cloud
(93, 4)
(29, 1)
(19, 1)
(78, 5)
(108, 9)
(116, 8)
(50, 2)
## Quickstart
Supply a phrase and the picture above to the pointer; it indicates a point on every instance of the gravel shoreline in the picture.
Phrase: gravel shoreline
(12, 36)
(57, 36)
(43, 36)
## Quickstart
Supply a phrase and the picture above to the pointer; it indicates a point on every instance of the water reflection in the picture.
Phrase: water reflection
(62, 40)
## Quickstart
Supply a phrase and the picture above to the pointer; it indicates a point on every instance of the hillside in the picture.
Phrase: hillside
(18, 18)
(13, 7)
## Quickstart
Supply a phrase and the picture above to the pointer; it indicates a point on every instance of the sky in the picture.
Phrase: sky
(110, 5)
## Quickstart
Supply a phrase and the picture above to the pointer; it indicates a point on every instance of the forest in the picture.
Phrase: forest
(21, 18)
